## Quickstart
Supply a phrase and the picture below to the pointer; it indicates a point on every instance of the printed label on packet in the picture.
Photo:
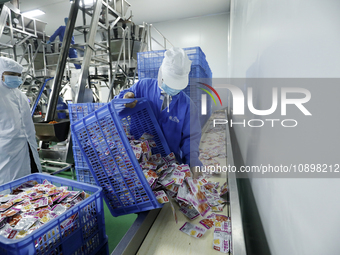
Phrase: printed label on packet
(178, 177)
(150, 176)
(202, 208)
(207, 223)
(167, 181)
(161, 197)
(193, 230)
(10, 212)
(14, 220)
(219, 219)
(221, 241)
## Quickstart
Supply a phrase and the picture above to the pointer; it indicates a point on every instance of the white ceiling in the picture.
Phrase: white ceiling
(150, 11)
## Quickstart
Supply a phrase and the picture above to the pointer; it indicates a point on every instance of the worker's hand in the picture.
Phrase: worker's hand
(130, 95)
(48, 42)
(194, 174)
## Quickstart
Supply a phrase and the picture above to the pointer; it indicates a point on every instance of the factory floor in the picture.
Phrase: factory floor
(116, 227)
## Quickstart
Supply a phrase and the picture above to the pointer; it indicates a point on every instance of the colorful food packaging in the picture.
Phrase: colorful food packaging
(193, 230)
(224, 189)
(189, 211)
(14, 220)
(209, 221)
(221, 241)
(161, 197)
(26, 223)
(58, 209)
(11, 212)
(150, 176)
(178, 177)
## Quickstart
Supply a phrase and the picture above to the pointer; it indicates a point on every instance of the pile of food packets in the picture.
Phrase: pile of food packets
(170, 180)
(31, 205)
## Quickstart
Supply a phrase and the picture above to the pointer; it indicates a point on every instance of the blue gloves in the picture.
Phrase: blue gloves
(48, 42)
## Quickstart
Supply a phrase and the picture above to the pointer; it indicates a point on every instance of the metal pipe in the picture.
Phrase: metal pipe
(88, 53)
(52, 102)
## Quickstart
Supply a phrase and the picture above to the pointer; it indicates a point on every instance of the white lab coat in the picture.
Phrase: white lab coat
(16, 130)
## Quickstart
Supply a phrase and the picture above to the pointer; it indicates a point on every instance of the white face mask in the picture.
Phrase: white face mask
(12, 81)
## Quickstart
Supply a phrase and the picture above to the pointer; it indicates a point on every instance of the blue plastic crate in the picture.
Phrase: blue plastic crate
(84, 175)
(150, 61)
(102, 139)
(77, 112)
(86, 235)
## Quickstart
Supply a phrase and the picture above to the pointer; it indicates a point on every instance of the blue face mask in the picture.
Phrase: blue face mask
(12, 82)
(169, 91)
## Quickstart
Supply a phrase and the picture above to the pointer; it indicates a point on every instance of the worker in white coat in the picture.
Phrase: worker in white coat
(18, 147)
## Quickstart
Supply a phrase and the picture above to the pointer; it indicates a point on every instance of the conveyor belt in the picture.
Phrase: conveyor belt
(162, 235)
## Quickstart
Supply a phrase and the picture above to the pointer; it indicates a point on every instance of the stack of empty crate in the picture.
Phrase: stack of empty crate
(77, 112)
(150, 61)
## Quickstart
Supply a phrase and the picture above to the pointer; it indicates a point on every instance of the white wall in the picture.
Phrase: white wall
(292, 39)
(208, 32)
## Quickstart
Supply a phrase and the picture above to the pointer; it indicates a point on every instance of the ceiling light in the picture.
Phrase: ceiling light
(33, 13)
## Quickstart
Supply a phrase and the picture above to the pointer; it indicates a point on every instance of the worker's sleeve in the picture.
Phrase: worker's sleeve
(135, 89)
(191, 137)
(56, 33)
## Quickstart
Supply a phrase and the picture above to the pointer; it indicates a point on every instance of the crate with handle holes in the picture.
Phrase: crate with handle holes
(102, 139)
(78, 230)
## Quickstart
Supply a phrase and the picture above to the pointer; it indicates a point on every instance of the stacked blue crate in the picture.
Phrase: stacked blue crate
(150, 61)
(77, 112)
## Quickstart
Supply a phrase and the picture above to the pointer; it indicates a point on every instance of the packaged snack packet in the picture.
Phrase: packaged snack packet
(202, 207)
(146, 149)
(146, 136)
(5, 206)
(178, 177)
(26, 223)
(152, 144)
(73, 195)
(173, 211)
(221, 241)
(11, 212)
(161, 197)
(183, 192)
(170, 159)
(6, 230)
(58, 209)
(218, 208)
(150, 176)
(6, 198)
(219, 219)
(40, 202)
(173, 188)
(193, 230)
(189, 211)
(167, 181)
(224, 189)
(161, 169)
(14, 220)
(209, 221)
(137, 151)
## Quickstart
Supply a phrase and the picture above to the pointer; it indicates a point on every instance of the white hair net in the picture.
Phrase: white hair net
(9, 65)
(175, 68)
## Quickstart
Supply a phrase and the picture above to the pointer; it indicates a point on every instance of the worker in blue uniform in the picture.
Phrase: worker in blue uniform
(176, 113)
(72, 53)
